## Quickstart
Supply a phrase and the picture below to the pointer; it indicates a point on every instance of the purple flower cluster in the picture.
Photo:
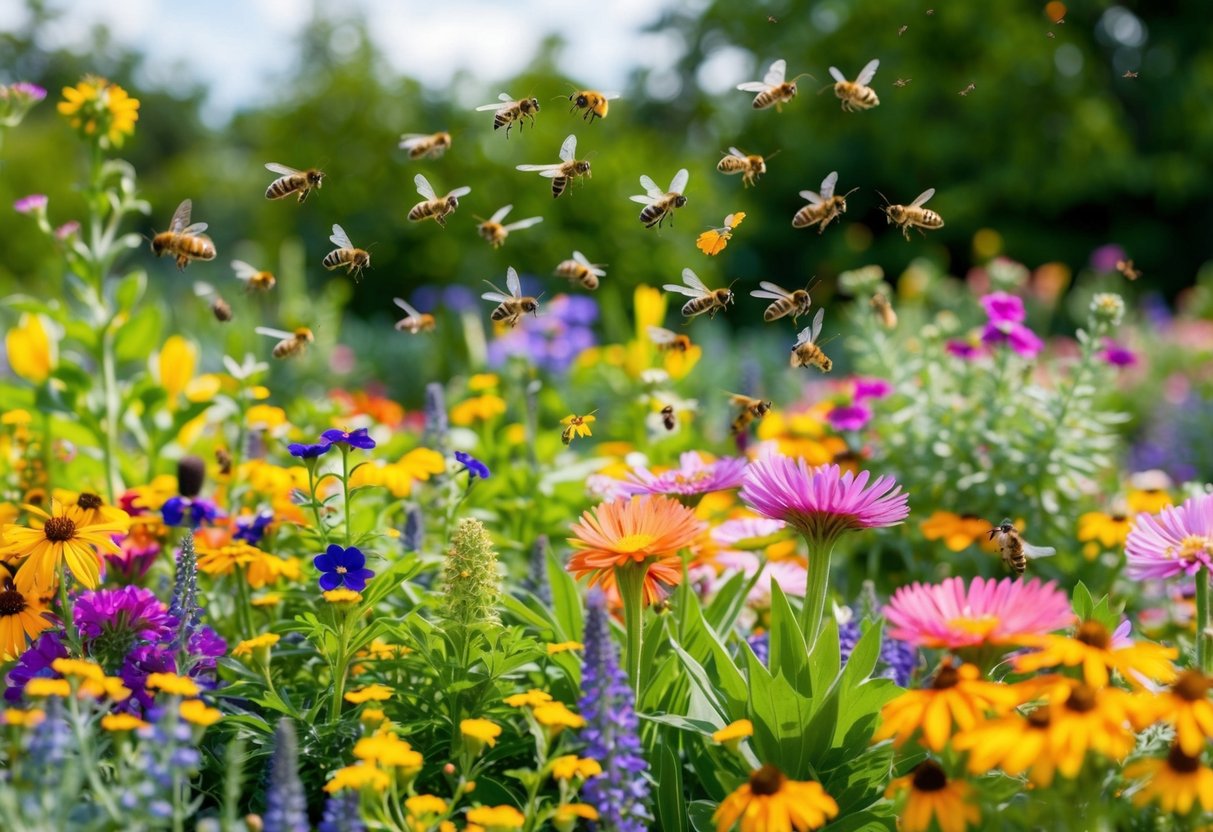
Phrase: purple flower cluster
(342, 814)
(1005, 325)
(621, 792)
(554, 340)
(897, 658)
(285, 802)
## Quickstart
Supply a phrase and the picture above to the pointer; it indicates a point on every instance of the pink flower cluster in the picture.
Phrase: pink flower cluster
(1005, 325)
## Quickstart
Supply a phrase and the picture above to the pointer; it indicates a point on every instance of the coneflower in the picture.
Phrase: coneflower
(285, 803)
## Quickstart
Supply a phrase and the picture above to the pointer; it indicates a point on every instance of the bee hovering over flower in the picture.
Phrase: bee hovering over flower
(254, 280)
(784, 303)
(433, 207)
(806, 351)
(595, 104)
(184, 241)
(354, 259)
(565, 171)
(514, 305)
(1125, 267)
(660, 204)
(414, 321)
(913, 215)
(575, 426)
(1014, 550)
(773, 90)
(714, 241)
(750, 166)
(291, 344)
(580, 270)
(856, 95)
(220, 308)
(823, 207)
(750, 409)
(493, 231)
(667, 340)
(702, 299)
(884, 310)
(510, 111)
(292, 181)
(426, 145)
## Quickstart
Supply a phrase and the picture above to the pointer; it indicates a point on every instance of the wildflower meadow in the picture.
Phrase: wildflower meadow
(515, 454)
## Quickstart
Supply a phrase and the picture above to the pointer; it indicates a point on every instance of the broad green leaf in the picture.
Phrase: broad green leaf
(788, 656)
(671, 801)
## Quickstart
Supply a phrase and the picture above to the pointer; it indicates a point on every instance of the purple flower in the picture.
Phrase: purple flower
(1176, 541)
(199, 509)
(127, 614)
(32, 93)
(693, 476)
(1018, 337)
(475, 468)
(285, 801)
(251, 528)
(139, 552)
(554, 340)
(341, 813)
(1001, 306)
(31, 204)
(1118, 355)
(849, 417)
(343, 567)
(35, 662)
(303, 451)
(143, 661)
(1104, 258)
(963, 349)
(67, 229)
(871, 388)
(359, 438)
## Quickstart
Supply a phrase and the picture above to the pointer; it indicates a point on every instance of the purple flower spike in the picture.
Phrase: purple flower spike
(343, 567)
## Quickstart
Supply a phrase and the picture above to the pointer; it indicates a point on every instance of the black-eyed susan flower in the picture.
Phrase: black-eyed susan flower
(1176, 783)
(1185, 706)
(769, 802)
(1098, 652)
(957, 531)
(51, 540)
(22, 618)
(100, 111)
(933, 797)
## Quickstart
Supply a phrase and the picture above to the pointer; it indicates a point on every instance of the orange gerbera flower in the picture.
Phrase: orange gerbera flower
(51, 539)
(642, 531)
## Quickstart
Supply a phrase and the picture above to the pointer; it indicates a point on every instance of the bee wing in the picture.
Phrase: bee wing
(691, 279)
(568, 148)
(868, 72)
(404, 304)
(772, 291)
(661, 335)
(489, 107)
(410, 140)
(759, 293)
(501, 212)
(643, 200)
(340, 238)
(512, 283)
(679, 183)
(424, 187)
(202, 289)
(497, 295)
(243, 270)
(923, 197)
(735, 152)
(581, 258)
(527, 223)
(505, 96)
(684, 290)
(544, 170)
(274, 333)
(805, 336)
(1038, 551)
(650, 187)
(837, 74)
(609, 96)
(776, 73)
(812, 196)
(827, 185)
(458, 192)
(277, 168)
(196, 228)
(753, 86)
(181, 217)
(817, 319)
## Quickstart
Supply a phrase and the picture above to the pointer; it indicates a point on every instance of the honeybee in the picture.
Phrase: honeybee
(806, 352)
(901, 82)
(856, 95)
(581, 270)
(510, 111)
(667, 340)
(493, 231)
(514, 305)
(255, 280)
(1129, 74)
(884, 310)
(434, 207)
(291, 344)
(426, 145)
(902, 30)
(563, 172)
(784, 303)
(668, 420)
(354, 259)
(1014, 550)
(968, 89)
(224, 460)
(575, 426)
(914, 215)
(714, 241)
(823, 207)
(750, 409)
(749, 166)
(596, 104)
(773, 89)
(1125, 267)
(658, 203)
(702, 299)
(184, 241)
(414, 321)
(292, 180)
(220, 308)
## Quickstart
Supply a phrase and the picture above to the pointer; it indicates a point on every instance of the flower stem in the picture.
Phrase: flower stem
(109, 388)
(817, 587)
(1204, 642)
(630, 580)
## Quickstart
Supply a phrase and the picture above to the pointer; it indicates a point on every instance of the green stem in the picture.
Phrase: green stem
(90, 765)
(817, 587)
(69, 619)
(630, 580)
(340, 667)
(345, 488)
(109, 388)
(1204, 642)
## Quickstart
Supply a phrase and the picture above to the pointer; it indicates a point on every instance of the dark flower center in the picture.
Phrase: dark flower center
(1180, 762)
(768, 780)
(929, 777)
(59, 529)
(88, 502)
(1082, 699)
(1119, 518)
(1192, 686)
(11, 602)
(1040, 718)
(946, 677)
(1094, 634)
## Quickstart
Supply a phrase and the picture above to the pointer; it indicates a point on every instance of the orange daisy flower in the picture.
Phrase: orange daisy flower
(52, 539)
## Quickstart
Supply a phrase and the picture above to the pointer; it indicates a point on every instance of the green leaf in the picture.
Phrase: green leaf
(129, 290)
(1082, 602)
(704, 683)
(862, 660)
(826, 658)
(671, 801)
(699, 813)
(138, 335)
(788, 654)
(567, 611)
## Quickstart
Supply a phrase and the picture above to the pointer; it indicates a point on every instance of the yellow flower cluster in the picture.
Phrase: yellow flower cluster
(398, 477)
(802, 434)
(101, 111)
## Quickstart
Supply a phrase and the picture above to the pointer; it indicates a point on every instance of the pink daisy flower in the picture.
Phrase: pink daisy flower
(745, 531)
(693, 476)
(951, 616)
(1176, 541)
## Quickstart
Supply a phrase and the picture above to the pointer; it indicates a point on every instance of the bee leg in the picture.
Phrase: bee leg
(303, 194)
(182, 262)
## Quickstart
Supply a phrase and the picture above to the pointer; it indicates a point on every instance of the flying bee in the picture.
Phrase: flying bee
(565, 171)
(493, 231)
(784, 303)
(901, 82)
(773, 90)
(806, 352)
(902, 30)
(291, 181)
(714, 241)
(968, 89)
(438, 209)
(702, 299)
(220, 308)
(580, 270)
(856, 95)
(1129, 74)
(184, 241)
(596, 104)
(750, 166)
(660, 204)
(884, 310)
(1125, 267)
(914, 215)
(224, 460)
(510, 111)
(254, 280)
(414, 321)
(668, 420)
(750, 409)
(291, 344)
(513, 306)
(667, 340)
(575, 426)
(1014, 550)
(354, 259)
(823, 207)
(426, 145)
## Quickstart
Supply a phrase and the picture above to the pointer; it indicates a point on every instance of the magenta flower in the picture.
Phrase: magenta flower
(1118, 355)
(963, 349)
(949, 615)
(693, 476)
(31, 204)
(849, 417)
(67, 229)
(871, 388)
(122, 615)
(1018, 337)
(1176, 541)
(32, 93)
(1001, 306)
(1105, 258)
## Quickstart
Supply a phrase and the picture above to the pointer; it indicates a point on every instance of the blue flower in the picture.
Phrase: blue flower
(251, 529)
(343, 567)
(359, 438)
(199, 509)
(305, 451)
(475, 468)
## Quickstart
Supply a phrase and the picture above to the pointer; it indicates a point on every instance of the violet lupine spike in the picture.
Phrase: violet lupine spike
(285, 802)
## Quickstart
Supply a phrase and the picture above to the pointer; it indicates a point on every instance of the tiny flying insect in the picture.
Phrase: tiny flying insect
(220, 308)
(513, 306)
(913, 215)
(434, 207)
(750, 409)
(784, 303)
(902, 30)
(292, 181)
(354, 259)
(184, 241)
(1130, 74)
(714, 241)
(595, 104)
(968, 89)
(508, 111)
(496, 233)
(564, 171)
(1015, 551)
(901, 82)
(255, 280)
(702, 299)
(1126, 268)
(290, 344)
(773, 89)
(426, 145)
(823, 207)
(806, 352)
(668, 418)
(224, 460)
(581, 270)
(575, 426)
(414, 321)
(660, 204)
(856, 95)
(667, 340)
(884, 310)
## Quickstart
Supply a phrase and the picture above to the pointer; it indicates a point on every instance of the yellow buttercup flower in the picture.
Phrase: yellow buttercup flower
(358, 777)
(100, 110)
(477, 409)
(555, 716)
(769, 801)
(174, 366)
(530, 699)
(571, 766)
(269, 599)
(41, 687)
(122, 722)
(172, 684)
(250, 645)
(564, 646)
(23, 719)
(197, 712)
(933, 796)
(31, 352)
(425, 806)
(497, 818)
(1175, 784)
(78, 669)
(52, 540)
(388, 750)
(372, 716)
(480, 731)
(370, 693)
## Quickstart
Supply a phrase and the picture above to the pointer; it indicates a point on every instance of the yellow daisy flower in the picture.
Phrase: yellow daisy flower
(481, 732)
(477, 409)
(958, 532)
(497, 818)
(100, 109)
(197, 712)
(933, 797)
(1108, 530)
(172, 684)
(30, 350)
(732, 734)
(567, 814)
(571, 766)
(556, 717)
(370, 693)
(1186, 706)
(22, 618)
(1176, 783)
(359, 776)
(530, 699)
(769, 801)
(388, 750)
(250, 645)
(1092, 647)
(52, 540)
(122, 722)
(425, 806)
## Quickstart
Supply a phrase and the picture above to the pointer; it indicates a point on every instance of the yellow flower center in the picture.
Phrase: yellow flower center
(1181, 763)
(693, 479)
(1191, 686)
(929, 777)
(59, 529)
(766, 781)
(634, 542)
(977, 626)
(1192, 547)
(1094, 634)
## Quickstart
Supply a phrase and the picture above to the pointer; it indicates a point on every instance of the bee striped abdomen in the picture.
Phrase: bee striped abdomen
(422, 210)
(559, 183)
